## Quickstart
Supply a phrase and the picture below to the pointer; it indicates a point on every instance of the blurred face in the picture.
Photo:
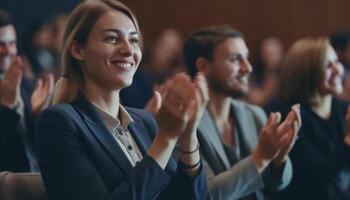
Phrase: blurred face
(334, 71)
(271, 53)
(112, 52)
(43, 37)
(230, 69)
(8, 47)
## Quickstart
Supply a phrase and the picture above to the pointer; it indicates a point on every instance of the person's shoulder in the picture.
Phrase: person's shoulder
(340, 106)
(248, 107)
(340, 102)
(57, 114)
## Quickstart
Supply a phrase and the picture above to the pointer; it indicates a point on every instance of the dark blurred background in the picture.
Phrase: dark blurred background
(286, 19)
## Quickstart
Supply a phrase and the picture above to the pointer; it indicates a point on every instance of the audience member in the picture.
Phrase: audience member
(91, 147)
(18, 104)
(38, 48)
(244, 152)
(164, 59)
(340, 41)
(58, 24)
(312, 76)
(265, 77)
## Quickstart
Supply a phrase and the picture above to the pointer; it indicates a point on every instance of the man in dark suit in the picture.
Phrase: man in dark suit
(18, 104)
(244, 152)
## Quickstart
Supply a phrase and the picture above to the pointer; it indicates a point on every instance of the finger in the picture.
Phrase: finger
(202, 85)
(38, 84)
(296, 110)
(48, 84)
(296, 129)
(284, 141)
(268, 128)
(14, 73)
(287, 123)
(276, 120)
(270, 120)
(17, 78)
(162, 89)
(155, 103)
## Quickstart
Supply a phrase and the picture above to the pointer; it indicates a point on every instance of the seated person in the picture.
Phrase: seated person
(240, 162)
(19, 104)
(89, 146)
(312, 75)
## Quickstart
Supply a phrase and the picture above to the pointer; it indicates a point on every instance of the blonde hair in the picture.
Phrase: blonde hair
(80, 23)
(303, 71)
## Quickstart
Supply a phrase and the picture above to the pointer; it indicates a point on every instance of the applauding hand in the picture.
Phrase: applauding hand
(10, 88)
(41, 96)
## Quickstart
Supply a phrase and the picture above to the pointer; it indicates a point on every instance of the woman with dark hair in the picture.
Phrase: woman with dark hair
(91, 147)
(312, 75)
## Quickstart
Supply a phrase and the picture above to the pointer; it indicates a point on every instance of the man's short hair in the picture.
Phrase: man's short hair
(203, 42)
(5, 18)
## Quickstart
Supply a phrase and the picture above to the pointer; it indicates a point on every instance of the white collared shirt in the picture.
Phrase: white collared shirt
(118, 127)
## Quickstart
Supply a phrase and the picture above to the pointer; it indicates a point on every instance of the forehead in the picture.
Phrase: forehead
(7, 33)
(114, 20)
(232, 46)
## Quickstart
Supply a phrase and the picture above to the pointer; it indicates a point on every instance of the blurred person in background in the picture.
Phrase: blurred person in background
(37, 48)
(58, 26)
(340, 41)
(19, 104)
(312, 76)
(267, 62)
(163, 59)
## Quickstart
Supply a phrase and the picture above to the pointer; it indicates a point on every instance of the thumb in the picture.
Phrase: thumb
(155, 103)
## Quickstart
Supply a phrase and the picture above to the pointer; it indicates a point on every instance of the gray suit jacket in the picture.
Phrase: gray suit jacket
(241, 179)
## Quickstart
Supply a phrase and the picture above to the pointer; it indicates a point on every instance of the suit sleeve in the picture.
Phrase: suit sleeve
(69, 172)
(242, 179)
(181, 185)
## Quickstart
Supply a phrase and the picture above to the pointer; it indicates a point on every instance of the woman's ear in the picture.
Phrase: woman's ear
(202, 65)
(76, 51)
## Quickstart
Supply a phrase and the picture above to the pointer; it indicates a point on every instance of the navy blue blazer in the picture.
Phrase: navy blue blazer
(80, 159)
(12, 151)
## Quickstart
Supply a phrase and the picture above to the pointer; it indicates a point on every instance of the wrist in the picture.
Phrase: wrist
(167, 139)
(279, 161)
(188, 142)
(12, 105)
(260, 162)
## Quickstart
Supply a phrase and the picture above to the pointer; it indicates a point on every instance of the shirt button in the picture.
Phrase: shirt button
(129, 147)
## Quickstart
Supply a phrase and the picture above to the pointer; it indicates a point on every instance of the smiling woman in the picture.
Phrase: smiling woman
(312, 76)
(91, 147)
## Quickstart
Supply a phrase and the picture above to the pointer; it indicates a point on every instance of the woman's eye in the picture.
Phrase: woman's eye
(235, 59)
(111, 39)
(134, 40)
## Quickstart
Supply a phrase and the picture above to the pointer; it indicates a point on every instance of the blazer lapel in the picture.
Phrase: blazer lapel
(248, 135)
(210, 133)
(99, 132)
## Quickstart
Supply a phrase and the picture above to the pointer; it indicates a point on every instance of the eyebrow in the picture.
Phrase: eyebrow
(118, 31)
(239, 55)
